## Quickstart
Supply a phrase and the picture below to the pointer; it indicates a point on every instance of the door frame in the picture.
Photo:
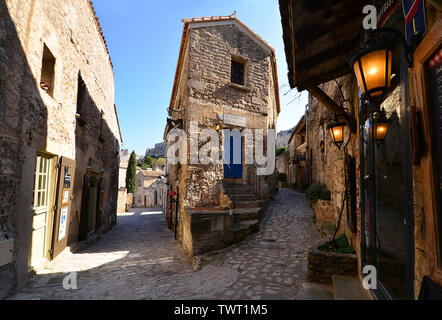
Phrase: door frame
(368, 187)
(431, 42)
(231, 157)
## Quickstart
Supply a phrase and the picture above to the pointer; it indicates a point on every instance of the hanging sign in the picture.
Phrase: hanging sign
(65, 196)
(385, 10)
(62, 226)
(234, 120)
(415, 21)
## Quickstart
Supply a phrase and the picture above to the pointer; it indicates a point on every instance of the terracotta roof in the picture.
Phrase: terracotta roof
(149, 173)
(232, 17)
(100, 31)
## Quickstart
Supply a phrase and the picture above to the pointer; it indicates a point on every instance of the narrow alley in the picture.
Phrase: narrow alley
(139, 259)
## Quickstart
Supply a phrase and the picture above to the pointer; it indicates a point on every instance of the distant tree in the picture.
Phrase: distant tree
(161, 162)
(280, 151)
(131, 173)
(147, 163)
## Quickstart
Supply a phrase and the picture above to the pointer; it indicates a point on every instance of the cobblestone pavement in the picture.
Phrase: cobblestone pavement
(139, 259)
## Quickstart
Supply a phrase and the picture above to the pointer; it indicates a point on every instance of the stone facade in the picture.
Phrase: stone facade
(326, 160)
(144, 194)
(62, 40)
(124, 161)
(282, 163)
(326, 216)
(203, 92)
(297, 156)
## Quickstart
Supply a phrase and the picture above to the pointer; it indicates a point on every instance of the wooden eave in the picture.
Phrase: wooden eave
(319, 37)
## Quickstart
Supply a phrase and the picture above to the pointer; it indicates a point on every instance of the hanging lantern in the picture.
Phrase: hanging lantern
(372, 67)
(381, 126)
(337, 131)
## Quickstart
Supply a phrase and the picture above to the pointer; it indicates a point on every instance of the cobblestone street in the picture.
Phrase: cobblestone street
(139, 259)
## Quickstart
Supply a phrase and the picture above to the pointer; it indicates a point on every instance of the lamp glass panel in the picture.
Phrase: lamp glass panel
(373, 66)
(381, 130)
(337, 134)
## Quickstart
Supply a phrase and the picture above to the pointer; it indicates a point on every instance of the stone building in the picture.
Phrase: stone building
(297, 156)
(386, 187)
(147, 196)
(282, 163)
(123, 203)
(59, 133)
(226, 78)
(124, 162)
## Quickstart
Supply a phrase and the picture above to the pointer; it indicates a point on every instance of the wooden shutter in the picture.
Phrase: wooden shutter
(66, 173)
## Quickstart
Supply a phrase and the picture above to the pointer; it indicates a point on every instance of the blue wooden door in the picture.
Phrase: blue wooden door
(232, 170)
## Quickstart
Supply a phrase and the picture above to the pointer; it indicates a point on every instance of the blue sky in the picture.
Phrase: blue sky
(144, 36)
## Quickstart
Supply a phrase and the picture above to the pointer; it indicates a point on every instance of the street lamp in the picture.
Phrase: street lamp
(337, 132)
(372, 66)
(381, 126)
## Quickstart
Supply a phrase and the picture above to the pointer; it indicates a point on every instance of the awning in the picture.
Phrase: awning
(319, 36)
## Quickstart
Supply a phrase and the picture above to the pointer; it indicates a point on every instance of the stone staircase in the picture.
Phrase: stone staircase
(342, 288)
(247, 209)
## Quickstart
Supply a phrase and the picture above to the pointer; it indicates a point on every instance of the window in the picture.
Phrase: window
(237, 72)
(101, 136)
(47, 71)
(81, 96)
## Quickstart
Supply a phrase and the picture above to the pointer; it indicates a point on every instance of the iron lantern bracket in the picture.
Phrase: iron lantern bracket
(351, 121)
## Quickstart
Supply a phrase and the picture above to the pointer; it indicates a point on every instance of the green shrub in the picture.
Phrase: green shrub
(340, 245)
(318, 191)
(282, 177)
(280, 151)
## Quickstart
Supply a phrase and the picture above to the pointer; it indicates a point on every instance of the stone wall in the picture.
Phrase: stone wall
(282, 163)
(322, 265)
(36, 120)
(210, 53)
(325, 216)
(210, 229)
(122, 197)
(327, 166)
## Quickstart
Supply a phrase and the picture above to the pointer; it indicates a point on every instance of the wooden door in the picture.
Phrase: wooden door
(41, 209)
(63, 205)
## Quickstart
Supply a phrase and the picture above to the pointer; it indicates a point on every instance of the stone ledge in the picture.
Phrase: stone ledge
(238, 86)
(322, 265)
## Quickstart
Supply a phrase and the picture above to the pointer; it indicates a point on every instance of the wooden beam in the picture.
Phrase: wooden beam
(306, 81)
(328, 102)
(334, 25)
(341, 49)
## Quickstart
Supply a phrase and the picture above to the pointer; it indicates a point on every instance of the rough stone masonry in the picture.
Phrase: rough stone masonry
(50, 52)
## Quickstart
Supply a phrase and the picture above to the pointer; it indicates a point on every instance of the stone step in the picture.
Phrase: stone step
(349, 288)
(315, 291)
(236, 187)
(247, 213)
(242, 198)
(242, 229)
(249, 204)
